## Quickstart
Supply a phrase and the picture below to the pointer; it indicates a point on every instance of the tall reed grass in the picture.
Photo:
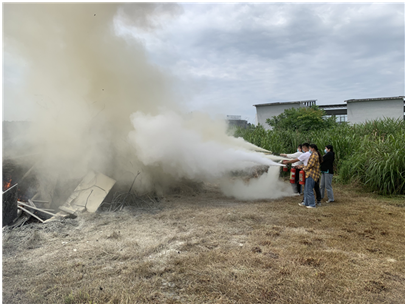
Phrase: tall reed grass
(371, 153)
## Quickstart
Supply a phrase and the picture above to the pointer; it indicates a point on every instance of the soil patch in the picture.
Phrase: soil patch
(202, 247)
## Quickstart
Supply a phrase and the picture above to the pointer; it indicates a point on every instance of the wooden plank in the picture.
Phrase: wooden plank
(31, 214)
(90, 192)
(48, 209)
(35, 208)
(31, 203)
(67, 210)
(10, 188)
(39, 201)
(20, 221)
(35, 195)
(59, 214)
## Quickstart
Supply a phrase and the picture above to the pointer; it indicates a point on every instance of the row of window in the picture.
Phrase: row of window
(339, 118)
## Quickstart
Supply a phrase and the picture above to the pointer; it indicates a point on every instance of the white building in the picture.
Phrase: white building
(361, 110)
(353, 110)
(268, 110)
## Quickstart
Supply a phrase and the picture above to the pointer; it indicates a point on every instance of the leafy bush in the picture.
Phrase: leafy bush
(378, 163)
(301, 119)
(371, 153)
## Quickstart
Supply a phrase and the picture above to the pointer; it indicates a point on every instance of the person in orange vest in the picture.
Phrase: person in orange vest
(296, 186)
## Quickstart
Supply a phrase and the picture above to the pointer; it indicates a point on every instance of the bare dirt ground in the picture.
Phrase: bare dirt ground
(199, 246)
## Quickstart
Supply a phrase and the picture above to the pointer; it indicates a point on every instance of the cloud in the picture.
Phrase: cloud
(229, 56)
(235, 55)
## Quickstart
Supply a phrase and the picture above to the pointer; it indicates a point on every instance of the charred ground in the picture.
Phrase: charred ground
(197, 246)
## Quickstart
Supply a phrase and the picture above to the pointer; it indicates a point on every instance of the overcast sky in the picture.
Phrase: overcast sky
(234, 55)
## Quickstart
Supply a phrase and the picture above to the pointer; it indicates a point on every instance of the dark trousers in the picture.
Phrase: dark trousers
(317, 192)
(297, 181)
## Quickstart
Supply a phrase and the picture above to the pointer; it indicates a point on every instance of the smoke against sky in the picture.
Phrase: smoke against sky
(98, 103)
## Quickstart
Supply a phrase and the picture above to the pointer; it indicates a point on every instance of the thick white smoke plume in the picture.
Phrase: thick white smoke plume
(180, 146)
(98, 104)
(267, 186)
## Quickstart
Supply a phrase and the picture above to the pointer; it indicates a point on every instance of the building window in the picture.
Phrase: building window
(342, 118)
(339, 118)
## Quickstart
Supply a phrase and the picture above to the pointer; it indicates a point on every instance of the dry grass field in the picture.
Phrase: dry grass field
(199, 246)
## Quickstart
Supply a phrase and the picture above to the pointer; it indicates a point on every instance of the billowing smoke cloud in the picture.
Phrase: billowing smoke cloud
(82, 81)
(83, 77)
(267, 186)
(181, 146)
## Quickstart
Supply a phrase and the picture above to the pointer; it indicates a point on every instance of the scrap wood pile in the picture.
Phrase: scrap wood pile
(17, 213)
(88, 196)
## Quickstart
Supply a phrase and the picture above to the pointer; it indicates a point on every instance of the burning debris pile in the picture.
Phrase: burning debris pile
(17, 213)
(88, 196)
(95, 191)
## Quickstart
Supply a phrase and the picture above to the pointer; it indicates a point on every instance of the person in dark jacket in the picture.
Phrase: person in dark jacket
(327, 172)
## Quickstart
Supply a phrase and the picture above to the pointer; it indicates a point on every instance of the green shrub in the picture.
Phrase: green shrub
(371, 153)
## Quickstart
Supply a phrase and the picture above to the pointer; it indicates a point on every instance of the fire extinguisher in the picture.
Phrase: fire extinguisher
(285, 168)
(292, 176)
(302, 177)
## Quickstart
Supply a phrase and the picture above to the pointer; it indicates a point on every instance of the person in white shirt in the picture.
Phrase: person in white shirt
(304, 159)
(296, 186)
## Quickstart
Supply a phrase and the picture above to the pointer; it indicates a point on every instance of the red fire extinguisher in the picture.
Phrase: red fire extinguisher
(292, 176)
(302, 177)
(285, 168)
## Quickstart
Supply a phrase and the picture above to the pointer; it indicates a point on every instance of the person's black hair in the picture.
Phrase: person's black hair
(300, 145)
(305, 144)
(314, 146)
(330, 147)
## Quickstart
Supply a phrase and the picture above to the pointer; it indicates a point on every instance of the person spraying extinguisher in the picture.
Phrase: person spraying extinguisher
(294, 173)
(312, 174)
(304, 161)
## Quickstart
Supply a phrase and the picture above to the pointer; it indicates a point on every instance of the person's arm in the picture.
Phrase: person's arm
(294, 155)
(290, 161)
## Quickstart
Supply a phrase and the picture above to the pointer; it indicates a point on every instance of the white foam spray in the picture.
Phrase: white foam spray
(267, 186)
(181, 147)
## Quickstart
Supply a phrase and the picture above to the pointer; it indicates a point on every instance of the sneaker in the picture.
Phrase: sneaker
(319, 203)
(329, 201)
(311, 207)
(301, 204)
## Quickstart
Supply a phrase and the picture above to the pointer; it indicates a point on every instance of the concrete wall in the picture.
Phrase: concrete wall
(267, 111)
(361, 111)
